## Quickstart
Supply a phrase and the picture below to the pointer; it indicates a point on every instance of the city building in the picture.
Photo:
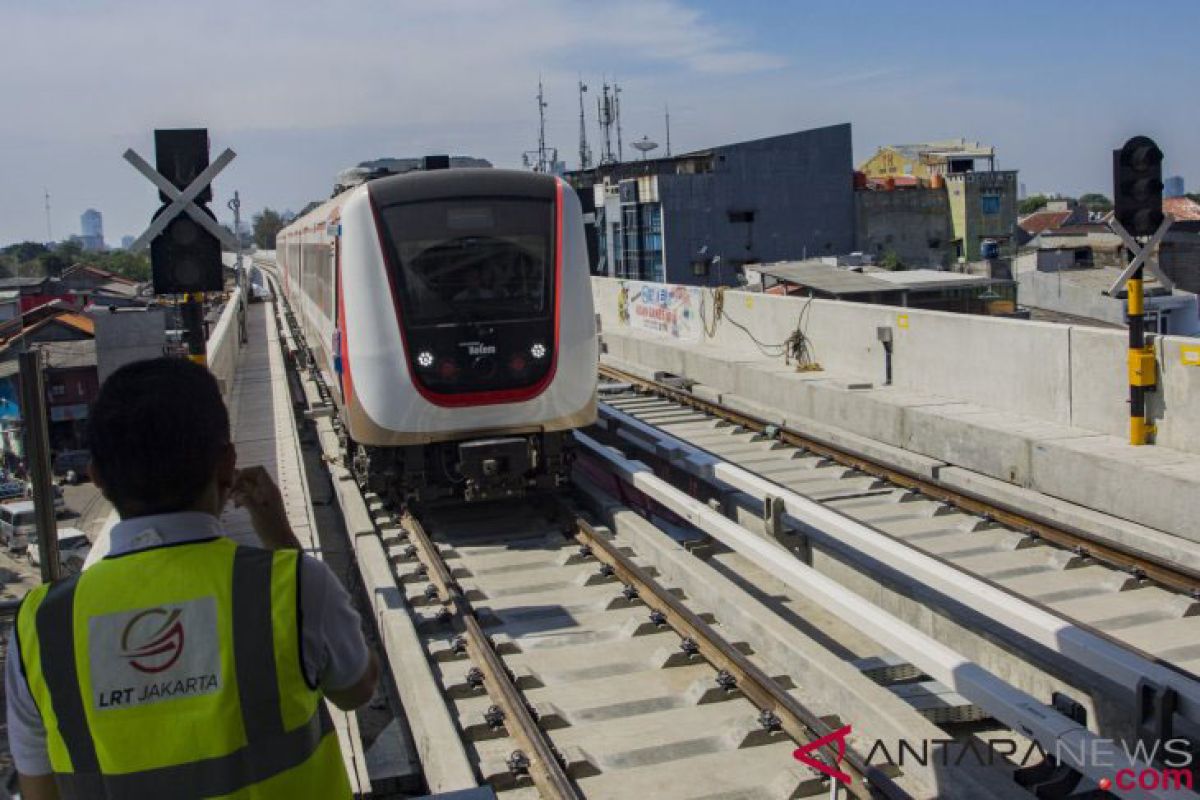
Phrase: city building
(1179, 253)
(1055, 214)
(1173, 186)
(92, 226)
(696, 218)
(944, 201)
(925, 160)
(94, 286)
(67, 340)
(37, 291)
(127, 241)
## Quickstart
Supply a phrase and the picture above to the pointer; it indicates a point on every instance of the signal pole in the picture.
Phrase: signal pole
(1139, 220)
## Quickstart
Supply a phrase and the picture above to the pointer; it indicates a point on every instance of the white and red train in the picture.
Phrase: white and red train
(451, 313)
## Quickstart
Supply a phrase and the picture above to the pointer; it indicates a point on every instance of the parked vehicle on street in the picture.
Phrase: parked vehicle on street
(12, 490)
(18, 525)
(73, 549)
(67, 462)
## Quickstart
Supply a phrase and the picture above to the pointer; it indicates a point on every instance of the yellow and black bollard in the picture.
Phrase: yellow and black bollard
(1141, 363)
(193, 325)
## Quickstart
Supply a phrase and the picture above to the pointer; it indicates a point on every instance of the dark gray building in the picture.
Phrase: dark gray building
(697, 218)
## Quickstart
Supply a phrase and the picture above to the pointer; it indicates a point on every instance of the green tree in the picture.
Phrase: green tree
(1193, 196)
(1094, 201)
(1034, 202)
(131, 265)
(891, 261)
(26, 251)
(267, 225)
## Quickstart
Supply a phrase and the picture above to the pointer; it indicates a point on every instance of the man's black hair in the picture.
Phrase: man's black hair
(157, 432)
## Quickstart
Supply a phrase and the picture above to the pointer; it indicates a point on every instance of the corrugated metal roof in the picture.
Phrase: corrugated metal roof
(825, 277)
(1183, 209)
(1040, 221)
(934, 279)
(57, 355)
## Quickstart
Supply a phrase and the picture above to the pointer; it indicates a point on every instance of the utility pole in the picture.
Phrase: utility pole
(37, 460)
(49, 232)
(585, 152)
(235, 205)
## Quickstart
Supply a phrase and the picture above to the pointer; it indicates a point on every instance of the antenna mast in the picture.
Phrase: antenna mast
(604, 113)
(667, 109)
(585, 152)
(543, 163)
(49, 233)
(617, 109)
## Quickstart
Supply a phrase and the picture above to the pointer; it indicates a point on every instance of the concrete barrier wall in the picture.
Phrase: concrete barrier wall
(225, 342)
(1062, 374)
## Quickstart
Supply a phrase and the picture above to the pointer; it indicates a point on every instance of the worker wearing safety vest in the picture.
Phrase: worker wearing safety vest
(183, 664)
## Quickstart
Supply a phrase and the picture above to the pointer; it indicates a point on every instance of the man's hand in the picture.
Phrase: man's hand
(254, 491)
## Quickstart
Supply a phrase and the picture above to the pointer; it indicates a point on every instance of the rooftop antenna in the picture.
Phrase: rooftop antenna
(543, 164)
(667, 110)
(617, 109)
(585, 152)
(605, 115)
(49, 232)
(645, 146)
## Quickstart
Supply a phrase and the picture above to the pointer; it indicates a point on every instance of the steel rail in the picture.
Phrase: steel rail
(1008, 704)
(1141, 564)
(759, 688)
(545, 768)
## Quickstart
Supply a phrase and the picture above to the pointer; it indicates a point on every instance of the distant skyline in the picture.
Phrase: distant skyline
(302, 90)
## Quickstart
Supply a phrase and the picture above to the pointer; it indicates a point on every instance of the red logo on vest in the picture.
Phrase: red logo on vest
(153, 640)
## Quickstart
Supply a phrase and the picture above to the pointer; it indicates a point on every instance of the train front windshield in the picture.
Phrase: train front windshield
(472, 262)
(474, 280)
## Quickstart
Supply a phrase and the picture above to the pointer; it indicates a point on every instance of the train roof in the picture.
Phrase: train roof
(471, 182)
(433, 185)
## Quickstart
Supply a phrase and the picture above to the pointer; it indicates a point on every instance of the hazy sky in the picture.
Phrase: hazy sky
(303, 89)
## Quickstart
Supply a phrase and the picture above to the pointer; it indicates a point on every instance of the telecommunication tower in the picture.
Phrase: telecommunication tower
(606, 114)
(543, 160)
(667, 111)
(617, 104)
(585, 152)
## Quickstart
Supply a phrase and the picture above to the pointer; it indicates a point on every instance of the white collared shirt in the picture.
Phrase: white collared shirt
(334, 652)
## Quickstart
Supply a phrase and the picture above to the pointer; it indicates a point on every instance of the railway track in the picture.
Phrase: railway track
(571, 648)
(1138, 600)
(572, 672)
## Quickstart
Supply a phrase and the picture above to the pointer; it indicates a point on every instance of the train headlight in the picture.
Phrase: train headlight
(425, 359)
(538, 350)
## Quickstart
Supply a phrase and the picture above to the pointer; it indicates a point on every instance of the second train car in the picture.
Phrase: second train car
(451, 312)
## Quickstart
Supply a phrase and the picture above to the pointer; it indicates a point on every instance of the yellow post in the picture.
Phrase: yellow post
(1140, 363)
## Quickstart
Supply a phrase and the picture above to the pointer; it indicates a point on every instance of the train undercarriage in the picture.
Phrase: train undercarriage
(492, 468)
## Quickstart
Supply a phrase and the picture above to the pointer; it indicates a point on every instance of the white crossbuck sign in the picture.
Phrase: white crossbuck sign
(182, 202)
(1143, 255)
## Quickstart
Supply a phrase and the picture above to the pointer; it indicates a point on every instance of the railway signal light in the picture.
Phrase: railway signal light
(1138, 186)
(185, 257)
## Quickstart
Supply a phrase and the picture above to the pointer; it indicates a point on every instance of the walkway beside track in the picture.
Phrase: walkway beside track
(264, 433)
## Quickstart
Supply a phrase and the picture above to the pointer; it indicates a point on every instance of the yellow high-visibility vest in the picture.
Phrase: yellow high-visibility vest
(155, 675)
